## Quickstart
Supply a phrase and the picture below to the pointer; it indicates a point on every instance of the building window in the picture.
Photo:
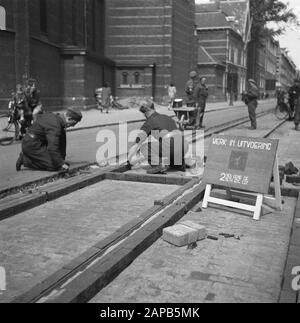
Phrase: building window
(94, 24)
(136, 78)
(229, 53)
(2, 18)
(43, 16)
(74, 22)
(125, 78)
(235, 56)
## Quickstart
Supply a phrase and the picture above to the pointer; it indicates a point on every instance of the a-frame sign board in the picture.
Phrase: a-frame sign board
(243, 167)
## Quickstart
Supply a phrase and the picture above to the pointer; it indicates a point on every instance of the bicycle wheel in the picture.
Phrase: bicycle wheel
(7, 130)
(281, 112)
(181, 123)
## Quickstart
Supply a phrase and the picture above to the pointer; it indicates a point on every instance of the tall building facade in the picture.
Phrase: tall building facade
(271, 49)
(223, 35)
(59, 43)
(286, 69)
(153, 44)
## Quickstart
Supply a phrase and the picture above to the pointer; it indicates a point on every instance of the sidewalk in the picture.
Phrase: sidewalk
(94, 118)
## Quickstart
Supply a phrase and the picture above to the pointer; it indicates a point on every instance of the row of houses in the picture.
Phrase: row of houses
(228, 56)
(138, 46)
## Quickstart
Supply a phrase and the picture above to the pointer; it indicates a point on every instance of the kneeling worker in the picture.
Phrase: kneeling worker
(169, 146)
(44, 145)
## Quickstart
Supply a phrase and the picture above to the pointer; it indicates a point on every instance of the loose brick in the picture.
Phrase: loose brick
(202, 232)
(180, 235)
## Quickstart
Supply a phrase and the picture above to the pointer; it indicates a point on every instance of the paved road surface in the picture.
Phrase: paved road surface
(82, 146)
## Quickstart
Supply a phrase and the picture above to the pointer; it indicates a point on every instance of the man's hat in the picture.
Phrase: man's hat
(74, 114)
(146, 104)
(193, 74)
(251, 81)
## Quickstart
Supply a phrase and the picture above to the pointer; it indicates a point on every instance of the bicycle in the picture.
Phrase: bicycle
(9, 126)
(283, 111)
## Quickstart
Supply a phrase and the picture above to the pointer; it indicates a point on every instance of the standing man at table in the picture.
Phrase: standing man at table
(201, 97)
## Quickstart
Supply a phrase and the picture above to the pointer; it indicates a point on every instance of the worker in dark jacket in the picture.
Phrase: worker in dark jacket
(44, 145)
(201, 97)
(168, 147)
(293, 96)
(191, 100)
(296, 90)
(251, 100)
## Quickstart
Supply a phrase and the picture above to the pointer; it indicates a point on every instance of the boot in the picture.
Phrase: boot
(20, 162)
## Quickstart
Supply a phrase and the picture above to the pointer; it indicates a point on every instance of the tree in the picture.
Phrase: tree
(264, 12)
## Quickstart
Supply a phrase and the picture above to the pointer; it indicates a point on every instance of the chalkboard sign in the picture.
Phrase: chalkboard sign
(241, 163)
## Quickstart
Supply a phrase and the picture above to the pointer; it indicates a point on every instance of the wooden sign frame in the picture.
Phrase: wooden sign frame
(262, 201)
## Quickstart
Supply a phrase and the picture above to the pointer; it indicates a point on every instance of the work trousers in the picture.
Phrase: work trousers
(252, 106)
(297, 112)
(200, 115)
(36, 155)
(169, 150)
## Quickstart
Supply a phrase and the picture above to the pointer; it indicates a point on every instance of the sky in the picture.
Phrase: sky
(291, 39)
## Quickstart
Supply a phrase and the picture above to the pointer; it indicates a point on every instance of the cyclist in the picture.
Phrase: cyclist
(297, 104)
(32, 95)
(293, 91)
(20, 110)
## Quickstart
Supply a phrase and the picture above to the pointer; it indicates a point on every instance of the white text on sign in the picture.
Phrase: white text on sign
(296, 280)
(255, 145)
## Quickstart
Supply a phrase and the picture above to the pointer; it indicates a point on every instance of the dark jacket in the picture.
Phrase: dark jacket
(201, 94)
(253, 92)
(190, 90)
(294, 92)
(49, 130)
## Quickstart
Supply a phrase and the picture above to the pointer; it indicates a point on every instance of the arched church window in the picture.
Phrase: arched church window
(124, 78)
(2, 18)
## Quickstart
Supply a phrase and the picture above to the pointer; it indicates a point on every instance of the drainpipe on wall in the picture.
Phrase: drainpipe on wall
(226, 71)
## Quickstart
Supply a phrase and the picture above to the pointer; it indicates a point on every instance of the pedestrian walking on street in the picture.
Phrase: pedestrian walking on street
(33, 96)
(172, 94)
(296, 90)
(190, 90)
(293, 93)
(201, 97)
(98, 98)
(252, 96)
(106, 97)
(44, 145)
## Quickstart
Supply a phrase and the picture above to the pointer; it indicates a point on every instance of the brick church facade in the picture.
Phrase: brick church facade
(153, 43)
(60, 44)
(73, 46)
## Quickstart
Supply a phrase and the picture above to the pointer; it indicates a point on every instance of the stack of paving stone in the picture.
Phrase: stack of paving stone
(184, 234)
